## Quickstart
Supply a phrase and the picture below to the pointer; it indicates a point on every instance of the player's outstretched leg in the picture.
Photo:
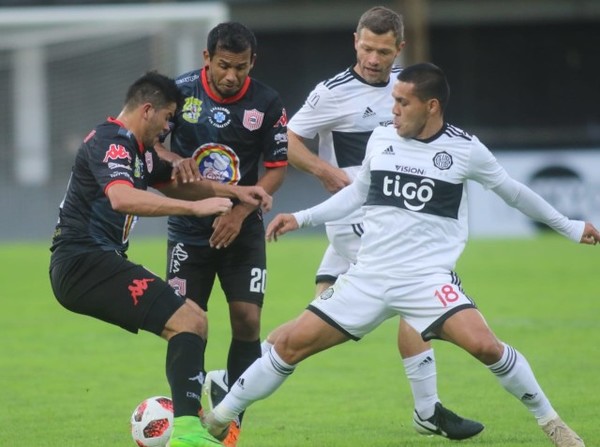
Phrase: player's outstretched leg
(447, 424)
(189, 432)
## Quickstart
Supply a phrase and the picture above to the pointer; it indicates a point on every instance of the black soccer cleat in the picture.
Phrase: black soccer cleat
(447, 424)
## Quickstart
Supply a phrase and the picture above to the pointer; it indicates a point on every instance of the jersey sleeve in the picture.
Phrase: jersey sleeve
(319, 112)
(483, 166)
(485, 169)
(112, 161)
(521, 197)
(275, 136)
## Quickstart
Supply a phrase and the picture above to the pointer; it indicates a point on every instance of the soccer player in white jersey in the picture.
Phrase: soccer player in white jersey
(413, 187)
(343, 111)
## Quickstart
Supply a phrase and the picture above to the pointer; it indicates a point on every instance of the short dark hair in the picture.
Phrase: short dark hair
(155, 88)
(231, 36)
(381, 20)
(429, 80)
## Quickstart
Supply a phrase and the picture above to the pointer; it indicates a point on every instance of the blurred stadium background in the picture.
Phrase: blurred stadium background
(524, 78)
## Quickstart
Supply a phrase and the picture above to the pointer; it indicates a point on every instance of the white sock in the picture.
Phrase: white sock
(515, 375)
(265, 346)
(260, 380)
(422, 375)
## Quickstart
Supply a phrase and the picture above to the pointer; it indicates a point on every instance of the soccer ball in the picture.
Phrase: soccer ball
(152, 422)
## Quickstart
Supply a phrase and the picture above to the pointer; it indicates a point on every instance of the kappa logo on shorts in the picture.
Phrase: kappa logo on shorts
(137, 289)
(327, 293)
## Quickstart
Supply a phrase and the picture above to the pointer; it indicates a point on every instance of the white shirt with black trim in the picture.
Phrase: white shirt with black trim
(415, 201)
(343, 111)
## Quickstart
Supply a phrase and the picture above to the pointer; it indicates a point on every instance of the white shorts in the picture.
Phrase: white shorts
(359, 302)
(344, 242)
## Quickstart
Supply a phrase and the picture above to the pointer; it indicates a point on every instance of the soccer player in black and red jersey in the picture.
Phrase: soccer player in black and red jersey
(230, 123)
(89, 270)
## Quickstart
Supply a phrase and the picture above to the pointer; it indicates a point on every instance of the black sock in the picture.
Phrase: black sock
(242, 354)
(185, 372)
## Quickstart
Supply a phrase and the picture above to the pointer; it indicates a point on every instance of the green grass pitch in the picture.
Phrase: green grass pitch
(68, 380)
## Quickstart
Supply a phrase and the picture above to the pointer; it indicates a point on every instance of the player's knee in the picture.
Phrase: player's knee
(188, 318)
(245, 322)
(291, 349)
(486, 349)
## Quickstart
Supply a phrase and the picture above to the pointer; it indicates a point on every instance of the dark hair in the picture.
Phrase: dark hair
(231, 36)
(381, 20)
(429, 80)
(155, 88)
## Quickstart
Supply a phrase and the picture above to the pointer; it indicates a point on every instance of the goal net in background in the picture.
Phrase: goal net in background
(64, 69)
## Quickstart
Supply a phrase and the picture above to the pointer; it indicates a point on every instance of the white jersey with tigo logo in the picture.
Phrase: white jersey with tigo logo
(343, 111)
(415, 201)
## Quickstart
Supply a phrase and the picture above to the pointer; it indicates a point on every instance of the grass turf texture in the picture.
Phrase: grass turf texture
(69, 380)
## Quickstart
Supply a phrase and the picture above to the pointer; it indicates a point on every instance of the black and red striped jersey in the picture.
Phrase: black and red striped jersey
(229, 139)
(109, 154)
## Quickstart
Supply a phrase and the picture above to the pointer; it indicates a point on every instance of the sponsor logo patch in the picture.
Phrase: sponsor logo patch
(116, 152)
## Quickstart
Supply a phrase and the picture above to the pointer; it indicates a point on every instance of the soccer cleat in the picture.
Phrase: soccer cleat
(215, 387)
(232, 435)
(189, 432)
(217, 429)
(447, 424)
(561, 434)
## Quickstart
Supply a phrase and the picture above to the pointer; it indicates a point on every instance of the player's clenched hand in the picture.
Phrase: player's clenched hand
(214, 205)
(333, 179)
(185, 170)
(281, 224)
(590, 236)
(255, 196)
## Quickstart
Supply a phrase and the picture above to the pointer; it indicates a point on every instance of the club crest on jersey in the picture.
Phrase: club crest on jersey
(116, 152)
(253, 119)
(219, 117)
(218, 162)
(442, 160)
(191, 109)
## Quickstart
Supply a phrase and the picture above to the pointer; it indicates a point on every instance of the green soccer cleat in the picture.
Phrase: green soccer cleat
(189, 432)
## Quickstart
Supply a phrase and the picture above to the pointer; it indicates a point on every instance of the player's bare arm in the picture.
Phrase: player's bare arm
(227, 228)
(301, 157)
(185, 170)
(126, 199)
(590, 236)
(254, 196)
(281, 224)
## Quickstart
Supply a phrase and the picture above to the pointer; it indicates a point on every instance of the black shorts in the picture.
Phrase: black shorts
(241, 269)
(106, 286)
